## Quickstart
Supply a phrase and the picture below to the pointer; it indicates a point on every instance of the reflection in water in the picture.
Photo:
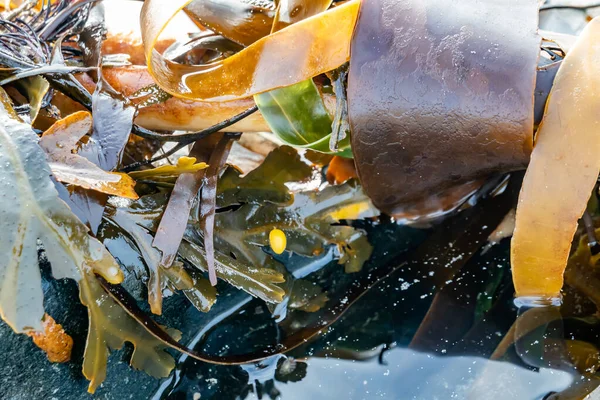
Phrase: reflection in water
(413, 375)
(440, 324)
(529, 357)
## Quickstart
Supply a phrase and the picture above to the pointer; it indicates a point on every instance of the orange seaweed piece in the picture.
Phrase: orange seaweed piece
(340, 170)
(56, 343)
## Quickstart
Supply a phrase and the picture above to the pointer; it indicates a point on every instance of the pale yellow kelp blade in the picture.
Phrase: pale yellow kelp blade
(563, 171)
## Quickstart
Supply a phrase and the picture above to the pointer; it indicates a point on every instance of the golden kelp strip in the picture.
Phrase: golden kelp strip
(562, 173)
(296, 53)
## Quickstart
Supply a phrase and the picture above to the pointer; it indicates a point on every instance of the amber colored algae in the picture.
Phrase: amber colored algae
(562, 173)
(308, 48)
(175, 114)
(245, 23)
(440, 93)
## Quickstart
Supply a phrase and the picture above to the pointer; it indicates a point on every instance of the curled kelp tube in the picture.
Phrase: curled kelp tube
(440, 95)
(299, 52)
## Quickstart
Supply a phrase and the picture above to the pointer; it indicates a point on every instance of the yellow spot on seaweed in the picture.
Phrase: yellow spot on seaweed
(277, 241)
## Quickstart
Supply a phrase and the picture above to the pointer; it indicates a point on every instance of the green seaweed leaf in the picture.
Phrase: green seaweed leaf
(311, 223)
(297, 116)
(255, 280)
(266, 183)
(193, 285)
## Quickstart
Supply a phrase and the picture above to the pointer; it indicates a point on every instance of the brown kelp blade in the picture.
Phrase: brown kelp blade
(446, 99)
(175, 218)
(299, 52)
(208, 201)
(241, 22)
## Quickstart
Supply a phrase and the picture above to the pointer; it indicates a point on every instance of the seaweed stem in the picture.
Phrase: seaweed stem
(166, 154)
(188, 138)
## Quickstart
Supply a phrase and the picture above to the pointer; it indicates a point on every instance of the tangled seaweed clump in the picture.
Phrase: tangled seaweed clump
(298, 156)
